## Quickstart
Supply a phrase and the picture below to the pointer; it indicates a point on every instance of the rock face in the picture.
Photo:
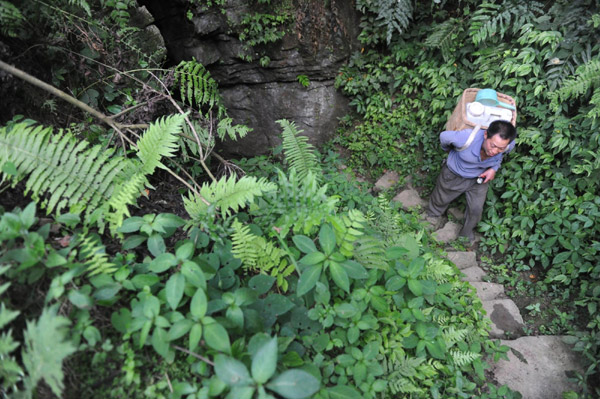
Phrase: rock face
(320, 39)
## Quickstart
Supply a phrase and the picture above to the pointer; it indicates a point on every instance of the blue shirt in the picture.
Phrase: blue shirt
(467, 163)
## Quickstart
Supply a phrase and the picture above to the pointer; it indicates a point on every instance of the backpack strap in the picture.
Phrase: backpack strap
(470, 139)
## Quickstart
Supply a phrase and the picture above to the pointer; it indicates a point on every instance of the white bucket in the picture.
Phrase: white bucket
(480, 114)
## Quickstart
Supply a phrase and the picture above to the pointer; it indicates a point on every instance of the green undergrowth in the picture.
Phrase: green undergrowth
(344, 298)
(540, 223)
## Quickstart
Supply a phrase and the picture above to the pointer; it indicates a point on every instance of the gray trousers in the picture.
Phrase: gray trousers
(450, 186)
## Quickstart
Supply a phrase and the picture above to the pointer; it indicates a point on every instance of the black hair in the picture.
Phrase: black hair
(505, 129)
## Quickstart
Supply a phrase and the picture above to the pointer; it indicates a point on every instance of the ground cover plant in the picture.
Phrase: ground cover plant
(541, 218)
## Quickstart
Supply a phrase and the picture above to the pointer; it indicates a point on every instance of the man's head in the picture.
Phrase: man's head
(498, 136)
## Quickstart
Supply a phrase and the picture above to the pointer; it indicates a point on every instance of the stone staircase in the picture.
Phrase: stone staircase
(538, 366)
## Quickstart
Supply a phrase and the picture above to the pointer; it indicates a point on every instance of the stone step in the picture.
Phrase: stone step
(386, 181)
(409, 198)
(538, 367)
(473, 274)
(505, 317)
(488, 291)
(448, 233)
(463, 259)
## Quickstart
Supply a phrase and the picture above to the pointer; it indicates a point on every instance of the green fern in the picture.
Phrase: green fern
(61, 166)
(259, 255)
(452, 335)
(443, 35)
(348, 228)
(83, 5)
(392, 15)
(196, 86)
(95, 258)
(437, 269)
(462, 359)
(46, 346)
(300, 205)
(227, 194)
(10, 371)
(370, 252)
(587, 77)
(158, 141)
(226, 128)
(400, 371)
(90, 179)
(298, 152)
(11, 19)
(492, 20)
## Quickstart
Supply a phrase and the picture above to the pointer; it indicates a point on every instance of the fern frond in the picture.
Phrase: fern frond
(227, 194)
(298, 152)
(159, 140)
(395, 15)
(370, 252)
(196, 85)
(399, 371)
(46, 346)
(60, 166)
(258, 254)
(83, 5)
(243, 246)
(298, 204)
(11, 19)
(348, 228)
(452, 335)
(496, 20)
(437, 269)
(442, 36)
(462, 359)
(587, 76)
(226, 128)
(94, 255)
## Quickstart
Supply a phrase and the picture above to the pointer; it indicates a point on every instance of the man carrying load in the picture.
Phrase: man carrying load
(475, 155)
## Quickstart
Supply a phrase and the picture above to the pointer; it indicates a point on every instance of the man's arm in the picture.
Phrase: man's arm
(450, 139)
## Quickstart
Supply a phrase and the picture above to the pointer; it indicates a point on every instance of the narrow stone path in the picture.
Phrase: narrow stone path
(538, 366)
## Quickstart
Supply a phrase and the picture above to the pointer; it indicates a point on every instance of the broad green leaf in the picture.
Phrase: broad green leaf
(174, 290)
(133, 241)
(308, 279)
(199, 304)
(142, 280)
(261, 283)
(193, 274)
(216, 337)
(162, 263)
(355, 270)
(313, 258)
(264, 362)
(195, 335)
(185, 251)
(241, 392)
(156, 244)
(327, 239)
(304, 244)
(80, 299)
(179, 329)
(294, 384)
(415, 287)
(160, 343)
(131, 224)
(339, 276)
(231, 371)
(235, 315)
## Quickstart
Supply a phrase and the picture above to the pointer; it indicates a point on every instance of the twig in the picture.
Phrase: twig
(197, 356)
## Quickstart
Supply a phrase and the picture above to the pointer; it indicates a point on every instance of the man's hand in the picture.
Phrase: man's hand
(488, 175)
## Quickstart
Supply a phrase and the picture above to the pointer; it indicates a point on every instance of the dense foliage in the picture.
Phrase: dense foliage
(542, 217)
(274, 284)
